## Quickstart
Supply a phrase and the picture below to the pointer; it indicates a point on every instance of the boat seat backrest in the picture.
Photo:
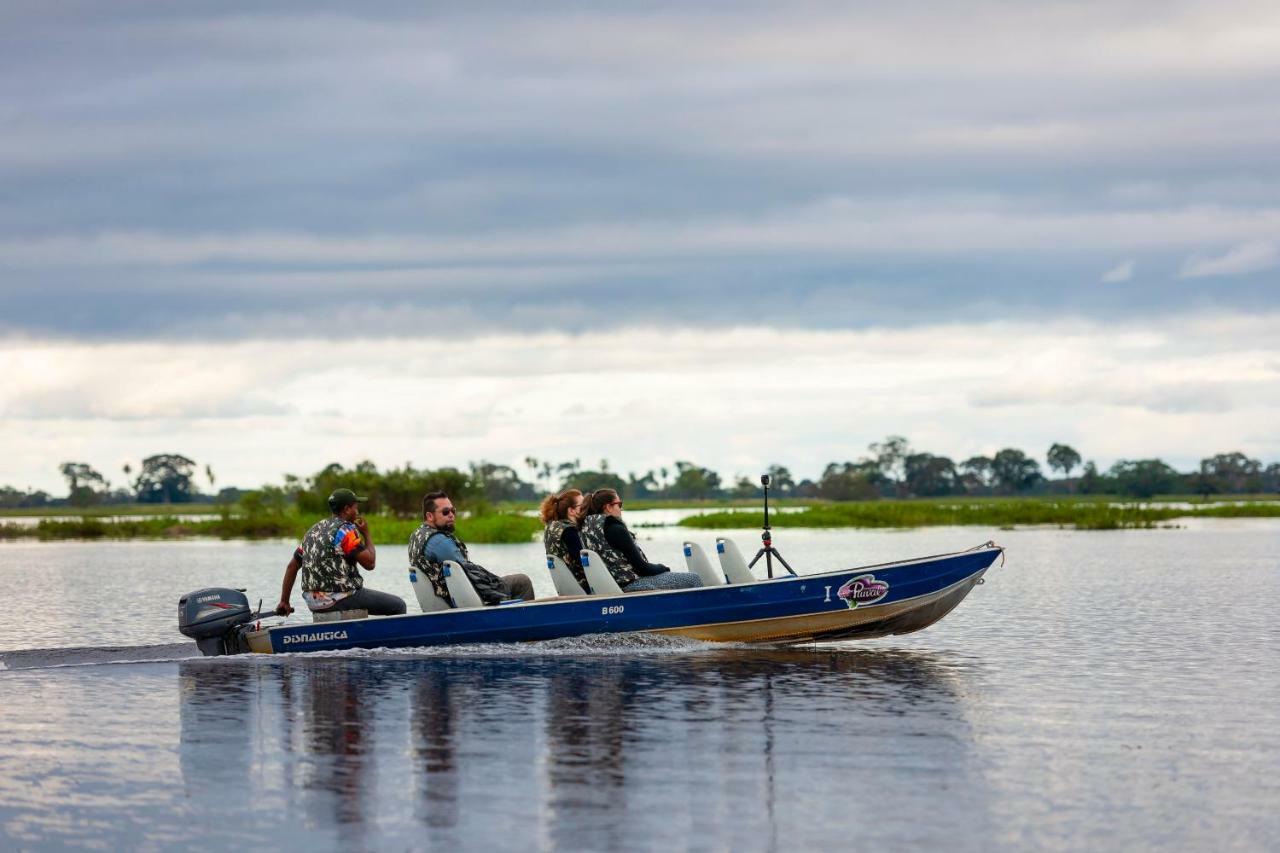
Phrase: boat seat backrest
(566, 583)
(598, 575)
(735, 568)
(696, 559)
(426, 593)
(460, 588)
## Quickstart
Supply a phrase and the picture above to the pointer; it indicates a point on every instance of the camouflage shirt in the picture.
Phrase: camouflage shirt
(329, 557)
(433, 571)
(593, 539)
(553, 544)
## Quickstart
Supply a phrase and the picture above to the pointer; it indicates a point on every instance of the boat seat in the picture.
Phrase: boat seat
(460, 588)
(338, 615)
(735, 568)
(696, 559)
(426, 593)
(598, 576)
(566, 583)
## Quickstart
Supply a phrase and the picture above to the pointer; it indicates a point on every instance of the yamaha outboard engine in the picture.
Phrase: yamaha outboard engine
(212, 617)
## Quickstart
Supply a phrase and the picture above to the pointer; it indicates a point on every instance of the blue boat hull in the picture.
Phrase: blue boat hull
(870, 601)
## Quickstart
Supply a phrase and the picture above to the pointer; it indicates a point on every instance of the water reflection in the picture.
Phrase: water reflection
(217, 706)
(474, 726)
(332, 727)
(608, 750)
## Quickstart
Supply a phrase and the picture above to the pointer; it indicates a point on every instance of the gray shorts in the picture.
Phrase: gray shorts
(377, 603)
(520, 586)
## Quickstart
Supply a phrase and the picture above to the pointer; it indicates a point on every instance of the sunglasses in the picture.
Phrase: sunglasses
(619, 503)
(446, 511)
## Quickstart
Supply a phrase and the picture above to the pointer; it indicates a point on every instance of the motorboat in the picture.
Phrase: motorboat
(733, 606)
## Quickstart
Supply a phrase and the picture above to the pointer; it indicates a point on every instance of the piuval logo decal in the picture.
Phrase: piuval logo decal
(864, 589)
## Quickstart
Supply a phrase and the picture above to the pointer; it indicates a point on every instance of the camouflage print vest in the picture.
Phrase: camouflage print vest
(593, 539)
(553, 545)
(324, 568)
(434, 572)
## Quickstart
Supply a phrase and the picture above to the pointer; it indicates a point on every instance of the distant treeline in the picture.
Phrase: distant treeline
(890, 469)
(166, 478)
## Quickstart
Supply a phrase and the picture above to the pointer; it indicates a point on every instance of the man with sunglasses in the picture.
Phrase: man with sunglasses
(329, 557)
(435, 541)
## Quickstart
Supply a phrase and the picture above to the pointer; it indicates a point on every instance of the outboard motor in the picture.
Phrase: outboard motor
(212, 617)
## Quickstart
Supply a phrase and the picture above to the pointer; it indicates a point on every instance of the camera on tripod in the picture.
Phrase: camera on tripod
(767, 550)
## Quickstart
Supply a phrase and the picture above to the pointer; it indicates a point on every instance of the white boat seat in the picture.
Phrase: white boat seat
(460, 588)
(426, 593)
(696, 559)
(566, 583)
(338, 615)
(735, 568)
(598, 576)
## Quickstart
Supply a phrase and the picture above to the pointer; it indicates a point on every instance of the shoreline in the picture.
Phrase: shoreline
(511, 525)
(484, 529)
(1005, 514)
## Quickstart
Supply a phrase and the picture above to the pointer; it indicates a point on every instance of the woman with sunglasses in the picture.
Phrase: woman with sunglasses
(561, 514)
(604, 532)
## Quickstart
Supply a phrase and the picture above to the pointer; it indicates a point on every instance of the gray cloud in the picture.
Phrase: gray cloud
(229, 171)
(1239, 260)
(1120, 273)
(1169, 397)
(86, 404)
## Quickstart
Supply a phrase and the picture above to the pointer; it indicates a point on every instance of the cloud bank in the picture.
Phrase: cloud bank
(736, 400)
(223, 172)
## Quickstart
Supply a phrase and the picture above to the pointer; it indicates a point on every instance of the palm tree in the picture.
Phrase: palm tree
(1062, 457)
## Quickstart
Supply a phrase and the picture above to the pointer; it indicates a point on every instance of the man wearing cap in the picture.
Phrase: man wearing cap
(329, 556)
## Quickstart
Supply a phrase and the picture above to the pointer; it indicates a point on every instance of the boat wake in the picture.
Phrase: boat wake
(600, 645)
(96, 656)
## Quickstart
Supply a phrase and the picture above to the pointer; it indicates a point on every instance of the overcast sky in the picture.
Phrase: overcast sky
(273, 236)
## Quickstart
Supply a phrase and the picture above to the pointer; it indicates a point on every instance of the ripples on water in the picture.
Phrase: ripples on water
(1101, 690)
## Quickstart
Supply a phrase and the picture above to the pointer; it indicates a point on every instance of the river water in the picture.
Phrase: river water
(1116, 690)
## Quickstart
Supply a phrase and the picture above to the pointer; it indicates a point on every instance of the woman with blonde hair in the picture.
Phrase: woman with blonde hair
(561, 514)
(604, 532)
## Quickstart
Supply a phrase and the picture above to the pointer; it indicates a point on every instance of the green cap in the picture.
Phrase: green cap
(343, 498)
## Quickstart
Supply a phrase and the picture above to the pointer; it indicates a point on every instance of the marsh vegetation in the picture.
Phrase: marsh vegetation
(892, 485)
(1076, 514)
(491, 527)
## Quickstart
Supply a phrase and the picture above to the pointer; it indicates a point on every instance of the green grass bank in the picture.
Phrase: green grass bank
(508, 526)
(1077, 514)
(483, 529)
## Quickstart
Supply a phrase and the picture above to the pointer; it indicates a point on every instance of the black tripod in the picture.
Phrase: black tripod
(768, 551)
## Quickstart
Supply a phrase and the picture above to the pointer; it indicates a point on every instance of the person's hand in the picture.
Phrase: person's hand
(283, 608)
(362, 526)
